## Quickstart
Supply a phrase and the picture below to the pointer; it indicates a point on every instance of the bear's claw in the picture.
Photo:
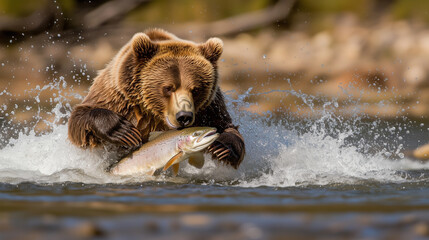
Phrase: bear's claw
(125, 134)
(228, 148)
(113, 128)
(127, 139)
(223, 154)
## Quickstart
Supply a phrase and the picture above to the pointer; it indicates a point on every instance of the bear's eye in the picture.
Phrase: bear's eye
(167, 90)
(195, 92)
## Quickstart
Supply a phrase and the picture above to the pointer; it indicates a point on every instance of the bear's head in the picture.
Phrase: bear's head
(171, 78)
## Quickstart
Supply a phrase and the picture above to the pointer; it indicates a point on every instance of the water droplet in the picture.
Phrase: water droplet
(264, 56)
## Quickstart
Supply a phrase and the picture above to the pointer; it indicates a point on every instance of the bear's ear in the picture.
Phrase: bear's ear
(143, 47)
(212, 49)
(159, 34)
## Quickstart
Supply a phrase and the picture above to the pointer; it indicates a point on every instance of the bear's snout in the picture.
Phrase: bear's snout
(181, 111)
(184, 118)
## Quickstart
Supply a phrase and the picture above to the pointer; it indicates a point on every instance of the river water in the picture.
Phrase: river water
(327, 177)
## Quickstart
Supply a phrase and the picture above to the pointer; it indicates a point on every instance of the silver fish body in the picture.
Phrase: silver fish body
(167, 149)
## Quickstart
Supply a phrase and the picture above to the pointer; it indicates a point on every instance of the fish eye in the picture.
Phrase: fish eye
(195, 134)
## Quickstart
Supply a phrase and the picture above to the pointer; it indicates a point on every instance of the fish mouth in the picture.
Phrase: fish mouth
(207, 134)
(205, 140)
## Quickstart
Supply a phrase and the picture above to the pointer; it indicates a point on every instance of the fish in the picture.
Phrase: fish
(167, 149)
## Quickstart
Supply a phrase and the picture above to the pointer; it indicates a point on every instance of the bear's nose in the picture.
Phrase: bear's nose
(184, 118)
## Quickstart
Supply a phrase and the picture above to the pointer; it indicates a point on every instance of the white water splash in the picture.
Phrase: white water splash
(314, 160)
(281, 158)
(277, 156)
(51, 158)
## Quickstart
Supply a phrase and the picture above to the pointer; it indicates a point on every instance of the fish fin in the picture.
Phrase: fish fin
(154, 135)
(197, 160)
(175, 169)
(173, 160)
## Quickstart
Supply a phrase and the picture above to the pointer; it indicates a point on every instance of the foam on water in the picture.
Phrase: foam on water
(52, 158)
(280, 157)
(279, 153)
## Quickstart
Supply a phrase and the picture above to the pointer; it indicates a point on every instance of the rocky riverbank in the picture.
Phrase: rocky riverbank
(352, 68)
(380, 70)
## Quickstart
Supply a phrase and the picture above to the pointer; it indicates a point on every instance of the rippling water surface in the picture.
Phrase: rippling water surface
(329, 176)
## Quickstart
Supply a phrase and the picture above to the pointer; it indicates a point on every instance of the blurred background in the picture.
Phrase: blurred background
(354, 75)
(287, 56)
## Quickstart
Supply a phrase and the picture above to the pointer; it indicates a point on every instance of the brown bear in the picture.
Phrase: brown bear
(157, 82)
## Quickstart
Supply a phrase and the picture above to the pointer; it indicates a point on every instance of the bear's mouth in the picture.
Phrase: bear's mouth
(170, 125)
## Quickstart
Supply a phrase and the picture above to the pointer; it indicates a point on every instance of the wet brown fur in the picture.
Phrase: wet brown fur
(128, 100)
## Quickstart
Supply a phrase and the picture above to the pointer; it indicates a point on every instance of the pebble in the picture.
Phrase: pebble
(86, 229)
(409, 219)
(228, 226)
(195, 220)
(152, 227)
(251, 231)
(422, 152)
(5, 222)
(421, 229)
